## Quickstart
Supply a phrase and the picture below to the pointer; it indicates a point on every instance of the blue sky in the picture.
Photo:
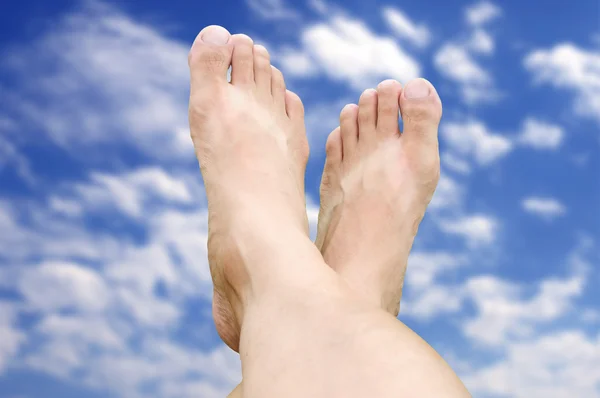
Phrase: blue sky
(104, 283)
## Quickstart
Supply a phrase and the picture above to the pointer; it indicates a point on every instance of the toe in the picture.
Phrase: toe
(333, 148)
(349, 129)
(367, 116)
(262, 70)
(388, 95)
(295, 111)
(421, 110)
(242, 63)
(210, 56)
(294, 106)
(278, 87)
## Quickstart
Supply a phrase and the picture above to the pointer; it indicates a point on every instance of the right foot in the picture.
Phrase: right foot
(251, 145)
(376, 185)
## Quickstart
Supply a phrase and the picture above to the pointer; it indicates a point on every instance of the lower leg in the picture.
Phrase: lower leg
(326, 342)
(303, 331)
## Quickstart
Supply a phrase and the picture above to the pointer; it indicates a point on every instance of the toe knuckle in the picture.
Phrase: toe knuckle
(348, 112)
(366, 116)
(332, 140)
(418, 112)
(388, 108)
(209, 60)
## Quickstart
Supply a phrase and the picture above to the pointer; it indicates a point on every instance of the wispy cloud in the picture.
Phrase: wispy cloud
(544, 207)
(482, 13)
(454, 61)
(346, 50)
(457, 59)
(116, 67)
(274, 9)
(541, 135)
(418, 34)
(477, 229)
(555, 364)
(573, 68)
(474, 140)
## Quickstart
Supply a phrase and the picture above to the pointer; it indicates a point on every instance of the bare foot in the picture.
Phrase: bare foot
(376, 185)
(250, 141)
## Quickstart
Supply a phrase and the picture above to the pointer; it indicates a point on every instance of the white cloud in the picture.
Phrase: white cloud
(11, 157)
(424, 267)
(434, 301)
(477, 229)
(68, 207)
(481, 42)
(473, 138)
(424, 297)
(505, 313)
(573, 68)
(54, 286)
(297, 63)
(539, 134)
(272, 9)
(455, 62)
(418, 34)
(543, 207)
(560, 364)
(108, 303)
(114, 308)
(10, 337)
(320, 6)
(482, 13)
(455, 162)
(91, 330)
(347, 50)
(456, 59)
(120, 81)
(44, 235)
(129, 191)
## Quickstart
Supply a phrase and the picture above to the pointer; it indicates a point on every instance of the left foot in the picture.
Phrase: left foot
(251, 144)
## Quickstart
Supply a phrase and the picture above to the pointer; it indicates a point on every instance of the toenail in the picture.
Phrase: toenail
(215, 34)
(417, 88)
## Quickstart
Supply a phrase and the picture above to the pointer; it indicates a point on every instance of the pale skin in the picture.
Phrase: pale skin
(313, 320)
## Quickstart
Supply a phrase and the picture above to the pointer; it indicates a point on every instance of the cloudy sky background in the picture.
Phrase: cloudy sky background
(104, 283)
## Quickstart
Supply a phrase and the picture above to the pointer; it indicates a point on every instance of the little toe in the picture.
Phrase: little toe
(388, 95)
(242, 63)
(295, 111)
(278, 88)
(210, 56)
(262, 70)
(333, 148)
(349, 129)
(367, 116)
(294, 106)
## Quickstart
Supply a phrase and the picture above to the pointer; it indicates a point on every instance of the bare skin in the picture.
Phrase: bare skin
(376, 186)
(360, 214)
(327, 340)
(263, 135)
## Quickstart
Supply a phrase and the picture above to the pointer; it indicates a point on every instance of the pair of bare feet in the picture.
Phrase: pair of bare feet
(273, 288)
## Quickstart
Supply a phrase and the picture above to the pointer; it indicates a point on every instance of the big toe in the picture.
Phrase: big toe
(421, 110)
(210, 56)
